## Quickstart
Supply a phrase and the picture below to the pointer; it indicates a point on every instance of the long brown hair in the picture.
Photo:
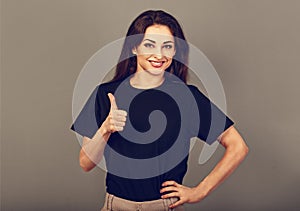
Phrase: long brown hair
(127, 63)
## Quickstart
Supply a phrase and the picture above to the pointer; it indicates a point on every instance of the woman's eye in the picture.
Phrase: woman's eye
(148, 45)
(168, 46)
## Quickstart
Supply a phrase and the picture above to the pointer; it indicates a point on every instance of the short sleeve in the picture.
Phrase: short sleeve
(213, 121)
(87, 122)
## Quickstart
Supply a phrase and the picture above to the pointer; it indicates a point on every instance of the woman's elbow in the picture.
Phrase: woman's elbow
(234, 142)
(86, 166)
(242, 150)
(238, 148)
(245, 150)
(85, 169)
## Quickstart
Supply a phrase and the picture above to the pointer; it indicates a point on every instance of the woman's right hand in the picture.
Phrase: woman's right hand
(92, 149)
(115, 121)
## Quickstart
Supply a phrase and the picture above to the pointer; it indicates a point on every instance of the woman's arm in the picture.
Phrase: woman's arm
(91, 152)
(92, 149)
(236, 151)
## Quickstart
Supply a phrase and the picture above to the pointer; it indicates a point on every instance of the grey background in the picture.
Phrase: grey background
(254, 46)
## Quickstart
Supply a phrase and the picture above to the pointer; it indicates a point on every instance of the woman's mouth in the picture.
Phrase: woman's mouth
(157, 64)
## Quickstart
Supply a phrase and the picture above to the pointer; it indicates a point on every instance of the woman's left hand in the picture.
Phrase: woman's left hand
(185, 194)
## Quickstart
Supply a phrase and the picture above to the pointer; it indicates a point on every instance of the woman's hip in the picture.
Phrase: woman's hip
(115, 203)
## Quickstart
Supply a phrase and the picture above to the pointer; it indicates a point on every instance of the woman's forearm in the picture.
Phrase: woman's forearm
(233, 156)
(236, 151)
(92, 150)
(230, 161)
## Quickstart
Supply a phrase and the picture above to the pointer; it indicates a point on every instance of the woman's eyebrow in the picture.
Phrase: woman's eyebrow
(150, 40)
(155, 42)
(168, 42)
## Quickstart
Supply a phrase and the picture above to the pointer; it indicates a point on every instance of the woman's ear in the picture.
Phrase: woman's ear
(134, 50)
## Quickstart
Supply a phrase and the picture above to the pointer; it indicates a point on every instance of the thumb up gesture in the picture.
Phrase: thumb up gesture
(116, 118)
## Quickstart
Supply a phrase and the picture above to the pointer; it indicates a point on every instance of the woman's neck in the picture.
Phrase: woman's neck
(145, 81)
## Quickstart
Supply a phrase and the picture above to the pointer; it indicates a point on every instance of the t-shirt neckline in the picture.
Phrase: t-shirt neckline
(144, 89)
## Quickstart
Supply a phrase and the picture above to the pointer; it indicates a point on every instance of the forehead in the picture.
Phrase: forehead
(159, 32)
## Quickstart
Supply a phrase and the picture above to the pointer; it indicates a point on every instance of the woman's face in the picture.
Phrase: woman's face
(155, 53)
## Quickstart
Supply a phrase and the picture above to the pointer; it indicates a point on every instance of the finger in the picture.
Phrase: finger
(180, 202)
(117, 114)
(113, 104)
(114, 122)
(167, 183)
(169, 188)
(119, 124)
(170, 195)
(119, 128)
(113, 128)
(119, 119)
(120, 113)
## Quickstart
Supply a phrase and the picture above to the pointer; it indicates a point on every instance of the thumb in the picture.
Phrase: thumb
(113, 104)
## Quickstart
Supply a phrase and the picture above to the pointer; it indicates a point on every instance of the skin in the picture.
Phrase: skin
(154, 56)
(157, 47)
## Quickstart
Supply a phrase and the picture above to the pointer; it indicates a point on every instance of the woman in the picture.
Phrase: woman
(152, 68)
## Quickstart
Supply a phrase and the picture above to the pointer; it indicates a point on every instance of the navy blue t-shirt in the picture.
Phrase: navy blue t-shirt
(154, 145)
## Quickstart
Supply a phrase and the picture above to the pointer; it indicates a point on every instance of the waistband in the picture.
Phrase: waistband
(113, 202)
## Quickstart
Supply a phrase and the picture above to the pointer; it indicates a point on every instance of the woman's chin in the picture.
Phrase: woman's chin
(156, 71)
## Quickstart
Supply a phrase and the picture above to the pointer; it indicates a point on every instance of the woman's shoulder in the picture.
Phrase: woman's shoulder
(194, 89)
(181, 85)
(109, 86)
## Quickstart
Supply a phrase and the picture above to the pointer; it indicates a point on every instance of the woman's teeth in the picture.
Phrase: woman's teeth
(156, 64)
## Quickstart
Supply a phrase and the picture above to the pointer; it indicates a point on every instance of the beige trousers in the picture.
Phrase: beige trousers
(118, 204)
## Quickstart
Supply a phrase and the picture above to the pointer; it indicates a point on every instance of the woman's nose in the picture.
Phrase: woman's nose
(158, 56)
(158, 53)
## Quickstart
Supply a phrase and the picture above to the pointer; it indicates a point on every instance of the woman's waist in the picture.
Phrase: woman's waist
(139, 190)
(113, 202)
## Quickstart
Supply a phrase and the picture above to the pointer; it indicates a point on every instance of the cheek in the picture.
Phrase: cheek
(141, 59)
(170, 60)
(167, 64)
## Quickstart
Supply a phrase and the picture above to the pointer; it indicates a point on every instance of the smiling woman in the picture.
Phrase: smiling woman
(154, 56)
(151, 76)
(161, 26)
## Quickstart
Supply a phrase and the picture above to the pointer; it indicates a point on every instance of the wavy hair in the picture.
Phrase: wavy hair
(127, 63)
